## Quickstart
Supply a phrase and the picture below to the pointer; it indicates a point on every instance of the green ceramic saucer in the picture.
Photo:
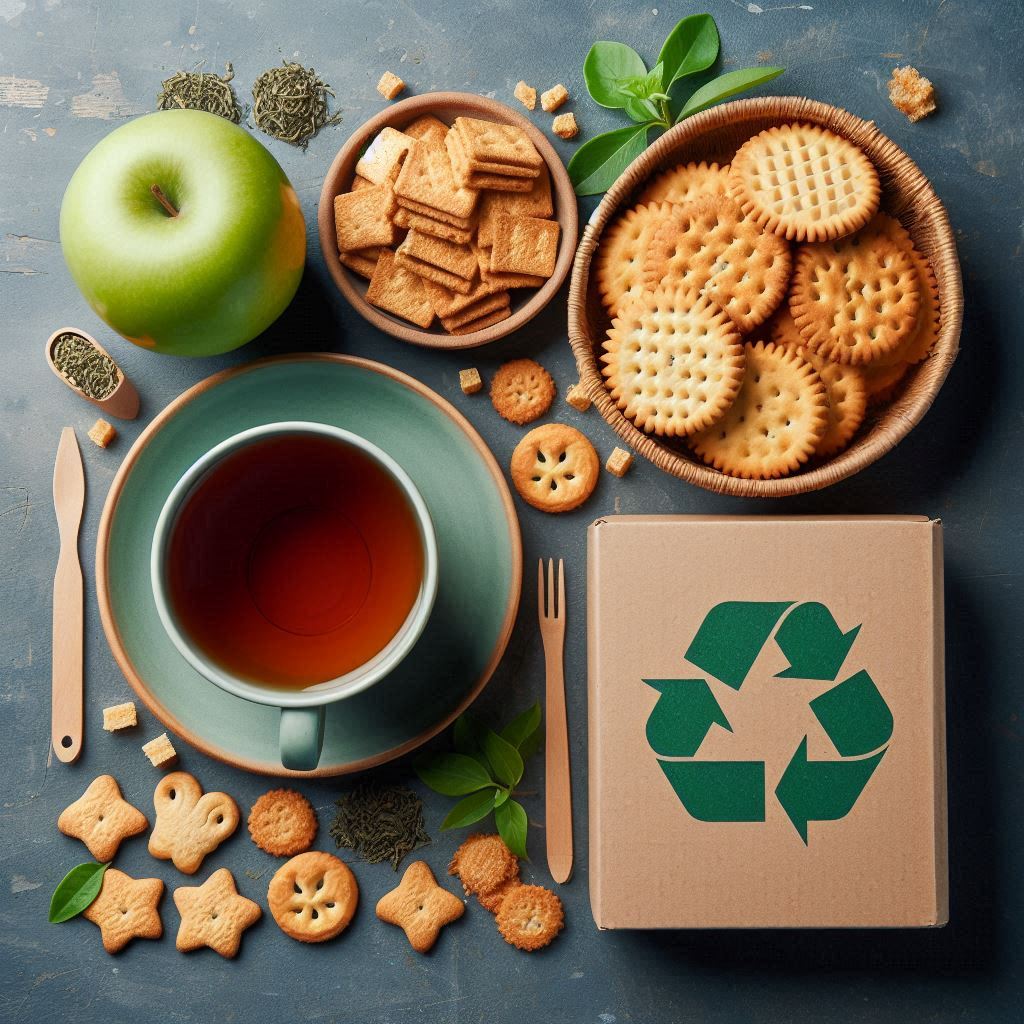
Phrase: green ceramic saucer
(480, 559)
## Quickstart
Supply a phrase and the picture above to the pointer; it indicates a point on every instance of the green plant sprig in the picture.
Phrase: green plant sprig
(618, 79)
(484, 769)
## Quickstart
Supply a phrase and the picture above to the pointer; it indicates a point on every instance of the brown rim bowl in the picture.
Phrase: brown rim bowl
(714, 135)
(446, 106)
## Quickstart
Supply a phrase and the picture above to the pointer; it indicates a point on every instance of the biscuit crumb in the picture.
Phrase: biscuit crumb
(911, 93)
(102, 433)
(470, 381)
(554, 97)
(565, 126)
(120, 716)
(390, 85)
(526, 94)
(577, 398)
(619, 462)
(160, 752)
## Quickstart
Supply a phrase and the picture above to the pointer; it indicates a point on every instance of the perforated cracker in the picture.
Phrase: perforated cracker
(524, 245)
(854, 299)
(487, 307)
(522, 390)
(673, 362)
(804, 182)
(427, 129)
(439, 252)
(708, 246)
(555, 469)
(429, 225)
(491, 176)
(487, 320)
(383, 157)
(490, 143)
(535, 203)
(313, 897)
(882, 380)
(847, 394)
(530, 917)
(776, 421)
(686, 182)
(497, 281)
(362, 219)
(623, 251)
(427, 178)
(398, 290)
(361, 261)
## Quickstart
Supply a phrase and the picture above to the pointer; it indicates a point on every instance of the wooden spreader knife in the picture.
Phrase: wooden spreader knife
(68, 502)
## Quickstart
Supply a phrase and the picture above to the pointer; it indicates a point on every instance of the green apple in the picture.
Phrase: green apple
(183, 233)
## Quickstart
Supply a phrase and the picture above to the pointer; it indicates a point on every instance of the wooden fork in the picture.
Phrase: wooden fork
(557, 788)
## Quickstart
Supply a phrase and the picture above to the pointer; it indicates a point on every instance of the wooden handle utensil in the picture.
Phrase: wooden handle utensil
(68, 502)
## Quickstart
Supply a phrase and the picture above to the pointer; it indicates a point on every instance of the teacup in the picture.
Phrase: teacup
(295, 564)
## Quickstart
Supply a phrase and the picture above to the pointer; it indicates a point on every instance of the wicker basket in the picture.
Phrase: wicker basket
(716, 134)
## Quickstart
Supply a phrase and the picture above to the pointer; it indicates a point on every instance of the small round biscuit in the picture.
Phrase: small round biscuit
(710, 247)
(804, 183)
(847, 394)
(313, 897)
(555, 468)
(492, 900)
(484, 864)
(522, 391)
(779, 417)
(882, 380)
(686, 182)
(530, 917)
(619, 263)
(283, 823)
(673, 362)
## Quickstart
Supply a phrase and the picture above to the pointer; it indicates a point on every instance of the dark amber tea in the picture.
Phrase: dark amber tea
(294, 561)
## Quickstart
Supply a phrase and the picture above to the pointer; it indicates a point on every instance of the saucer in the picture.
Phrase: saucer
(479, 551)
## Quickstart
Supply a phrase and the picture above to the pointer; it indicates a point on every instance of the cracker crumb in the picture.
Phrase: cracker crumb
(102, 433)
(619, 462)
(911, 93)
(526, 94)
(554, 97)
(120, 716)
(160, 752)
(565, 126)
(390, 85)
(577, 398)
(470, 381)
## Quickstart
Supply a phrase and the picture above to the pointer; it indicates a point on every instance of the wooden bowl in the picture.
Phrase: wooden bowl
(716, 134)
(447, 106)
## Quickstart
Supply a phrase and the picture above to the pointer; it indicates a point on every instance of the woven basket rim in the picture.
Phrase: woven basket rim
(899, 418)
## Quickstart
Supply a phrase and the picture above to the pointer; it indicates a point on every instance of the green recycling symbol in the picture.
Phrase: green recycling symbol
(852, 713)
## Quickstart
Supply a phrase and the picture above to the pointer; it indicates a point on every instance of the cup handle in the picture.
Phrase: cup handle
(301, 737)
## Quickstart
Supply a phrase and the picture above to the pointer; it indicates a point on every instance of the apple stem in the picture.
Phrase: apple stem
(163, 200)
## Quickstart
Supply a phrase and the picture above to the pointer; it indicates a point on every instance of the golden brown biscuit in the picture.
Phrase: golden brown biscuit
(847, 395)
(127, 908)
(283, 823)
(521, 391)
(484, 864)
(555, 468)
(686, 182)
(102, 818)
(313, 897)
(214, 914)
(189, 823)
(524, 245)
(530, 917)
(623, 251)
(492, 900)
(420, 907)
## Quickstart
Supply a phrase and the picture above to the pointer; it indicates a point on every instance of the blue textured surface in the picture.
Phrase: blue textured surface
(82, 67)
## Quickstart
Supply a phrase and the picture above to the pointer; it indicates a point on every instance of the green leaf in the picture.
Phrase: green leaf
(466, 735)
(523, 726)
(77, 889)
(452, 774)
(505, 761)
(471, 808)
(529, 746)
(511, 821)
(599, 161)
(724, 86)
(691, 46)
(606, 67)
(503, 795)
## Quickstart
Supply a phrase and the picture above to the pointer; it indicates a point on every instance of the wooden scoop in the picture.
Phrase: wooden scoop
(68, 502)
(122, 402)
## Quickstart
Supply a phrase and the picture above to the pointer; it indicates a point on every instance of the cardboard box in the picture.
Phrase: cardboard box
(767, 729)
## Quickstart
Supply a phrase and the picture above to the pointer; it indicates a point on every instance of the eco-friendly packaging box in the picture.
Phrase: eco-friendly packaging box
(767, 730)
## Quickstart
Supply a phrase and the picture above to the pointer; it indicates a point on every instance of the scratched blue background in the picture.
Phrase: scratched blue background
(72, 71)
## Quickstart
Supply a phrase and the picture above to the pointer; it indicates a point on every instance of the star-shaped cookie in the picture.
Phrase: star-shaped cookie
(102, 818)
(126, 909)
(214, 914)
(420, 907)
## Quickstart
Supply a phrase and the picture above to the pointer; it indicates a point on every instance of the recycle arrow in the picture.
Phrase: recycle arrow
(731, 637)
(814, 644)
(683, 716)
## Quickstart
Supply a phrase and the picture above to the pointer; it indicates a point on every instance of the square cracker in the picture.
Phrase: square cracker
(431, 273)
(524, 245)
(438, 252)
(405, 218)
(429, 211)
(535, 203)
(459, 155)
(479, 180)
(448, 303)
(362, 261)
(428, 129)
(490, 142)
(488, 320)
(427, 178)
(482, 307)
(383, 157)
(397, 290)
(499, 281)
(363, 219)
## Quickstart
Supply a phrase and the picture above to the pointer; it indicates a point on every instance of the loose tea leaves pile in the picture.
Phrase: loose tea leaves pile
(380, 823)
(201, 90)
(290, 103)
(85, 366)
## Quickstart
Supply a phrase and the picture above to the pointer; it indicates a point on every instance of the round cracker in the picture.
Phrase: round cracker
(710, 247)
(804, 183)
(620, 256)
(530, 917)
(686, 182)
(522, 391)
(847, 394)
(779, 417)
(313, 897)
(882, 380)
(283, 822)
(555, 468)
(484, 864)
(854, 299)
(673, 362)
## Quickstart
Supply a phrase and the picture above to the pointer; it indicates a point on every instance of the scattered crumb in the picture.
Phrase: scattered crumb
(526, 95)
(911, 93)
(390, 85)
(160, 752)
(577, 398)
(120, 716)
(565, 126)
(554, 97)
(619, 462)
(102, 433)
(470, 380)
